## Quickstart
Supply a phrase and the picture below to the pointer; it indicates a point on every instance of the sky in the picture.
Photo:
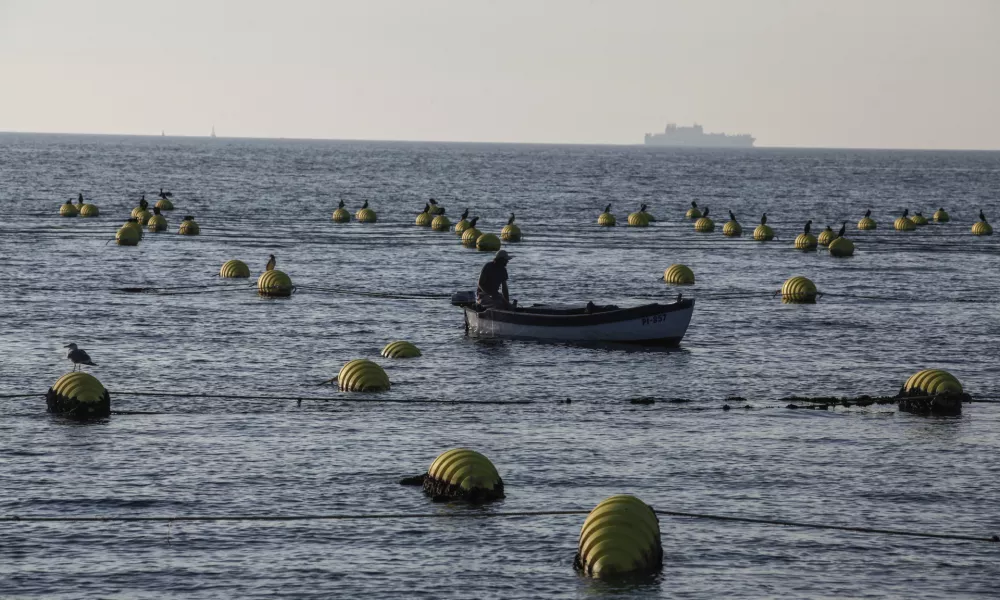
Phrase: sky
(808, 73)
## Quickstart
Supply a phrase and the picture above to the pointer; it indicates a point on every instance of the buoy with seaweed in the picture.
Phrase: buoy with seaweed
(932, 391)
(362, 375)
(678, 274)
(463, 474)
(806, 240)
(400, 349)
(234, 269)
(867, 222)
(79, 395)
(798, 290)
(606, 219)
(704, 224)
(510, 231)
(621, 536)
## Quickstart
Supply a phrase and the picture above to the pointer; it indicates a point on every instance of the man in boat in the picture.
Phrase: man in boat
(492, 289)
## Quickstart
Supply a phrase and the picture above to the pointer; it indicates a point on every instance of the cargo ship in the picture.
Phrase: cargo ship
(695, 137)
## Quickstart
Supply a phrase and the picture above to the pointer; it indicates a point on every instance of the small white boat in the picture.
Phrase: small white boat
(649, 324)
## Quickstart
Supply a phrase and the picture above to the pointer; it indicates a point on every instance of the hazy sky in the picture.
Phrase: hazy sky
(855, 73)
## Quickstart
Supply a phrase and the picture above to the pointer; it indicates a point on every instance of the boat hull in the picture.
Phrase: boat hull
(650, 325)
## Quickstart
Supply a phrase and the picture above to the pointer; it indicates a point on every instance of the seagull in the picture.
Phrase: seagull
(607, 208)
(510, 221)
(843, 230)
(79, 357)
(732, 217)
(270, 263)
(365, 205)
(465, 215)
(808, 226)
(982, 217)
(763, 219)
(868, 213)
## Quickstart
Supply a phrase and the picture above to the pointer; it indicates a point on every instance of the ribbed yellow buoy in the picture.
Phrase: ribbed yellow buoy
(798, 290)
(234, 269)
(841, 247)
(904, 224)
(763, 233)
(931, 381)
(424, 219)
(638, 219)
(805, 241)
(487, 242)
(461, 226)
(134, 225)
(341, 215)
(982, 228)
(469, 237)
(732, 229)
(68, 210)
(164, 204)
(274, 284)
(867, 223)
(440, 223)
(157, 223)
(79, 395)
(693, 213)
(704, 225)
(606, 219)
(400, 349)
(366, 215)
(826, 236)
(510, 233)
(89, 210)
(678, 274)
(649, 216)
(362, 375)
(189, 227)
(941, 216)
(127, 236)
(620, 536)
(141, 215)
(919, 220)
(463, 474)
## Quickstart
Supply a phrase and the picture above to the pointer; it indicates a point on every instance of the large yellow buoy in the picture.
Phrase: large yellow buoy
(362, 375)
(982, 228)
(79, 395)
(867, 223)
(678, 274)
(141, 215)
(620, 536)
(470, 236)
(463, 474)
(919, 219)
(68, 209)
(693, 212)
(941, 216)
(234, 269)
(931, 381)
(904, 224)
(704, 224)
(400, 349)
(189, 226)
(487, 242)
(274, 284)
(89, 210)
(440, 223)
(366, 215)
(638, 219)
(341, 215)
(134, 225)
(461, 226)
(805, 241)
(606, 219)
(164, 204)
(157, 223)
(798, 290)
(763, 233)
(732, 229)
(826, 236)
(127, 236)
(841, 247)
(510, 232)
(424, 219)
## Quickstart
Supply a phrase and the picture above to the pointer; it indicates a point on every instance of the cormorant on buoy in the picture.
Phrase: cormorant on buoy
(365, 205)
(142, 202)
(465, 215)
(906, 212)
(809, 226)
(694, 204)
(427, 208)
(78, 356)
(165, 195)
(607, 208)
(156, 210)
(79, 198)
(982, 217)
(843, 230)
(868, 213)
(705, 214)
(472, 222)
(434, 203)
(340, 204)
(763, 219)
(732, 217)
(642, 208)
(510, 221)
(270, 263)
(186, 218)
(135, 220)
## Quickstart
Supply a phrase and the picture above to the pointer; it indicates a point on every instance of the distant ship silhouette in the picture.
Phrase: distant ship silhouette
(213, 130)
(695, 137)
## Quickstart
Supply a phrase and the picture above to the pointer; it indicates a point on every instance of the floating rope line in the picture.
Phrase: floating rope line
(483, 515)
(370, 399)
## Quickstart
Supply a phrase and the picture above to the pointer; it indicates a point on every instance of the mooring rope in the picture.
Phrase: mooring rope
(481, 515)
(368, 400)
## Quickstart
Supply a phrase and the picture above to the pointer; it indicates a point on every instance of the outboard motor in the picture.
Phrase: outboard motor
(464, 299)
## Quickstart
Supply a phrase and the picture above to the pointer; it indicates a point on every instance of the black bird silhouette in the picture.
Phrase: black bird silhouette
(607, 208)
(433, 202)
(156, 210)
(165, 194)
(694, 204)
(427, 208)
(919, 214)
(906, 212)
(472, 223)
(808, 226)
(982, 217)
(340, 204)
(142, 202)
(465, 214)
(705, 214)
(843, 230)
(79, 198)
(186, 218)
(763, 219)
(642, 208)
(271, 261)
(133, 220)
(365, 205)
(510, 221)
(732, 217)
(868, 213)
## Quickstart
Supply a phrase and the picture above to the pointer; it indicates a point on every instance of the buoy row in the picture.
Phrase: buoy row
(363, 375)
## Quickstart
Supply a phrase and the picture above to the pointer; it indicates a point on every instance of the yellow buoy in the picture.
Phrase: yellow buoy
(435, 208)
(649, 216)
(189, 226)
(79, 395)
(134, 225)
(763, 233)
(867, 223)
(469, 237)
(510, 233)
(620, 536)
(68, 209)
(366, 215)
(487, 242)
(274, 284)
(461, 226)
(798, 290)
(463, 474)
(157, 223)
(732, 229)
(679, 274)
(89, 210)
(234, 269)
(440, 223)
(826, 236)
(704, 225)
(982, 228)
(127, 236)
(941, 216)
(638, 219)
(606, 219)
(919, 220)
(362, 375)
(693, 212)
(141, 215)
(164, 204)
(341, 215)
(904, 224)
(841, 247)
(400, 349)
(424, 219)
(931, 381)
(805, 241)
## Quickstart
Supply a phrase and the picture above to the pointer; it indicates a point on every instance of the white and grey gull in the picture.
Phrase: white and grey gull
(78, 356)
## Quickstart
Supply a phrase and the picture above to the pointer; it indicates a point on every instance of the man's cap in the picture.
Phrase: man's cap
(501, 254)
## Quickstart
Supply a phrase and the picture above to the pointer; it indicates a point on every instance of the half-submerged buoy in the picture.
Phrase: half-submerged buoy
(678, 274)
(189, 226)
(932, 391)
(941, 216)
(704, 224)
(141, 215)
(510, 232)
(763, 233)
(400, 349)
(157, 222)
(904, 223)
(424, 218)
(463, 474)
(234, 269)
(128, 236)
(805, 241)
(606, 219)
(365, 214)
(461, 226)
(488, 242)
(638, 219)
(362, 375)
(134, 225)
(68, 209)
(841, 247)
(919, 219)
(732, 227)
(341, 215)
(693, 212)
(164, 204)
(981, 227)
(867, 222)
(79, 395)
(621, 536)
(440, 223)
(470, 236)
(89, 210)
(798, 290)
(274, 284)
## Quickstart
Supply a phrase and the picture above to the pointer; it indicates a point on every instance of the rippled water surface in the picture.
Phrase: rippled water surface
(904, 302)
